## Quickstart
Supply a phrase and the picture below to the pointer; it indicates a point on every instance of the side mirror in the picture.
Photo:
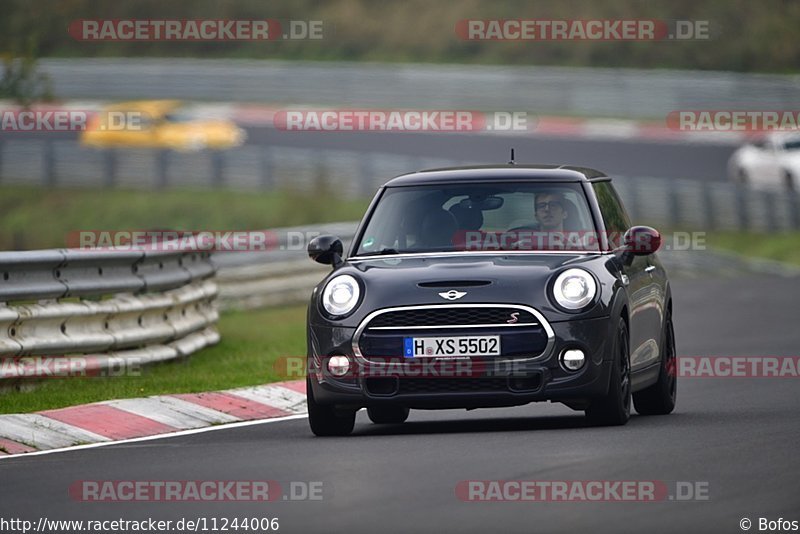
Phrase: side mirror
(326, 249)
(640, 241)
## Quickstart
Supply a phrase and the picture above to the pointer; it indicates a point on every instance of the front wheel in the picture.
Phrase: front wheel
(742, 178)
(659, 399)
(789, 183)
(615, 407)
(325, 420)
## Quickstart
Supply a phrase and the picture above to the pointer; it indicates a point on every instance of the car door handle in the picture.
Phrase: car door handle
(650, 268)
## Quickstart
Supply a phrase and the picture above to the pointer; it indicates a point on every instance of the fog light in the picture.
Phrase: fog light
(572, 359)
(338, 365)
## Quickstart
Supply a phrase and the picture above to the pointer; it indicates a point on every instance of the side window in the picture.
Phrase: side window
(616, 220)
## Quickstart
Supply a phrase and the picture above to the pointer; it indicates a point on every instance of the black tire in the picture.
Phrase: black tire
(659, 399)
(324, 420)
(615, 408)
(387, 415)
(788, 179)
(742, 178)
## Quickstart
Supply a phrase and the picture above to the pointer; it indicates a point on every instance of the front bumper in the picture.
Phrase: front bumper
(464, 383)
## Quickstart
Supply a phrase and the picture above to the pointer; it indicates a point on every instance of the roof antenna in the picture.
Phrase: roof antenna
(512, 162)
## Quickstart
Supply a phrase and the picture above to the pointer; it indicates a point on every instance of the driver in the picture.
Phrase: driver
(550, 212)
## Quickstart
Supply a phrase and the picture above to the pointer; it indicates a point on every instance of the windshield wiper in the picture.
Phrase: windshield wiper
(381, 252)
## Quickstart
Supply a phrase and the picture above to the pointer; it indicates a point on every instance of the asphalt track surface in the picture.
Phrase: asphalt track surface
(620, 156)
(737, 435)
(624, 157)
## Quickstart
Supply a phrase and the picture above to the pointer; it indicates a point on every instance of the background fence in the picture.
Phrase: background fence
(672, 203)
(621, 93)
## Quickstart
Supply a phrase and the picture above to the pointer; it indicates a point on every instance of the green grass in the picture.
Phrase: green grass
(782, 246)
(35, 217)
(250, 353)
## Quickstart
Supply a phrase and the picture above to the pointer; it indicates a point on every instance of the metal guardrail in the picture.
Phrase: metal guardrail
(673, 203)
(281, 276)
(104, 308)
(621, 93)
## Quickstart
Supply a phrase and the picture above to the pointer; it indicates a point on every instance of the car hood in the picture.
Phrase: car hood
(502, 278)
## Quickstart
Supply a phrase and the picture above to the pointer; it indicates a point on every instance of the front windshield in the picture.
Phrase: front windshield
(485, 217)
(792, 144)
(179, 115)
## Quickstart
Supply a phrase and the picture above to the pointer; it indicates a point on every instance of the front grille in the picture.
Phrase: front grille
(448, 316)
(523, 334)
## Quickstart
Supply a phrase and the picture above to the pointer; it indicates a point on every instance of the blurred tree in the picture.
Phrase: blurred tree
(745, 35)
(21, 82)
(25, 26)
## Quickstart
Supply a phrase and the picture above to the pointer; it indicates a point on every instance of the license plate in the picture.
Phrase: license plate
(451, 347)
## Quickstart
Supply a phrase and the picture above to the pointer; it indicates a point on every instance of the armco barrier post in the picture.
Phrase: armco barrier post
(742, 208)
(218, 168)
(110, 166)
(267, 168)
(320, 173)
(49, 159)
(794, 210)
(674, 206)
(708, 206)
(162, 164)
(769, 210)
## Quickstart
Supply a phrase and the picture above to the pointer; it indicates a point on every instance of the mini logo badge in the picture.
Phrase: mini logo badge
(514, 318)
(452, 294)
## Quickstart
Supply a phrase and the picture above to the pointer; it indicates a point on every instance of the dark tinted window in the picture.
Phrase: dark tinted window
(616, 220)
(499, 216)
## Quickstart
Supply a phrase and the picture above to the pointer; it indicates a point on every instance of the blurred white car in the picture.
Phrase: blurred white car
(770, 162)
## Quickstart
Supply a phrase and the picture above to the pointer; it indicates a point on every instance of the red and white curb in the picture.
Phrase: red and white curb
(125, 419)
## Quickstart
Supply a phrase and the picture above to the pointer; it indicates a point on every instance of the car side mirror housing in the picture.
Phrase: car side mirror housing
(639, 241)
(326, 249)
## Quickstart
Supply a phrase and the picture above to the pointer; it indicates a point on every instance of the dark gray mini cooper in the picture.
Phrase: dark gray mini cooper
(491, 286)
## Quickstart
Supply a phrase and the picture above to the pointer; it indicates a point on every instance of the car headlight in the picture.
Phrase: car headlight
(340, 295)
(574, 289)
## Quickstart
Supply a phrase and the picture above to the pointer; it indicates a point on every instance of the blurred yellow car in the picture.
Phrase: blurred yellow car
(159, 124)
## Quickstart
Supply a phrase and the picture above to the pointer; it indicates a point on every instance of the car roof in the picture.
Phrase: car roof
(498, 173)
(151, 107)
